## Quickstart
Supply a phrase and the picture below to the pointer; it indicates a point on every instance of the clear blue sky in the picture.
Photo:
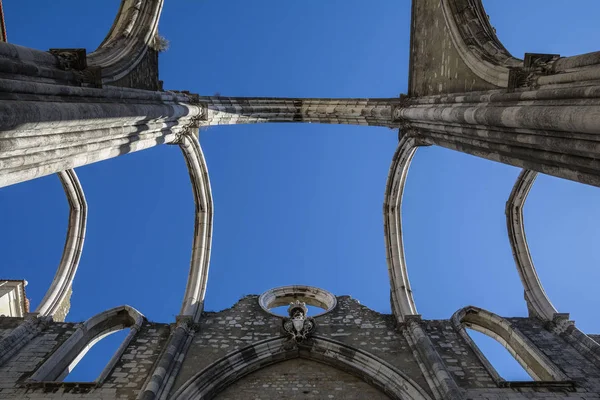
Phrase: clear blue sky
(302, 203)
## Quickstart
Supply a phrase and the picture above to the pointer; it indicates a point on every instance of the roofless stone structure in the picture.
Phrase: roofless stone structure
(63, 108)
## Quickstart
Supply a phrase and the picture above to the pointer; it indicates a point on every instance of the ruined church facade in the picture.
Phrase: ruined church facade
(64, 108)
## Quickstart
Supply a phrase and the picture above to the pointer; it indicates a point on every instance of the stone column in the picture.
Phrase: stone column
(167, 366)
(46, 129)
(432, 365)
(31, 326)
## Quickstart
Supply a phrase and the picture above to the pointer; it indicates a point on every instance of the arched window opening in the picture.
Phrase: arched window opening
(499, 357)
(90, 364)
(64, 359)
(532, 360)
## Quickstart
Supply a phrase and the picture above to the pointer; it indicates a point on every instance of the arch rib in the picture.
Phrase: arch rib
(402, 300)
(132, 32)
(55, 301)
(238, 364)
(196, 285)
(537, 300)
(476, 42)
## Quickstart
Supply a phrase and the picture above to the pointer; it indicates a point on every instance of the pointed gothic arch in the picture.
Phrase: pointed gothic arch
(402, 300)
(66, 357)
(537, 300)
(132, 33)
(237, 364)
(56, 300)
(531, 358)
(193, 301)
(476, 42)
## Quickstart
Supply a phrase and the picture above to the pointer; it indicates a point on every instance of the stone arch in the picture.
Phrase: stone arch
(476, 42)
(193, 301)
(519, 346)
(56, 300)
(240, 363)
(402, 300)
(537, 300)
(66, 357)
(128, 40)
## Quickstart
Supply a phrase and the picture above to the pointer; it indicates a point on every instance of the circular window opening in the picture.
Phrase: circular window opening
(276, 301)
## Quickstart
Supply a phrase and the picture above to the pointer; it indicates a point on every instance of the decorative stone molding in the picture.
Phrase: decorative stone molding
(298, 326)
(70, 58)
(534, 66)
(285, 295)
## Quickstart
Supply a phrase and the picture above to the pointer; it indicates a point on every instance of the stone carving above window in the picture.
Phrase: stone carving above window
(298, 326)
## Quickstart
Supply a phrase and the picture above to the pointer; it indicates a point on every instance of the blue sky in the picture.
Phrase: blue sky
(302, 203)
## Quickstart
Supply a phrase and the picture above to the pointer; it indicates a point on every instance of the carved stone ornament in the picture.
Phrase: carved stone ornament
(71, 59)
(298, 326)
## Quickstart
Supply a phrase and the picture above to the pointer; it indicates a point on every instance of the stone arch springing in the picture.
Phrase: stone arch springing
(476, 42)
(537, 365)
(66, 357)
(132, 33)
(240, 363)
(193, 302)
(537, 300)
(402, 300)
(56, 302)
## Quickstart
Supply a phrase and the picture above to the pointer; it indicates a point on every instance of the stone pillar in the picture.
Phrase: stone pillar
(31, 326)
(432, 365)
(167, 366)
(83, 126)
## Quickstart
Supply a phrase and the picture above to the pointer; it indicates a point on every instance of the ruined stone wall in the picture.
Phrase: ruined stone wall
(246, 323)
(471, 374)
(436, 66)
(571, 362)
(300, 379)
(460, 360)
(125, 380)
(360, 329)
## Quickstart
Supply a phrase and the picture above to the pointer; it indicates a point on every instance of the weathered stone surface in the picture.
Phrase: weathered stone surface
(361, 330)
(435, 65)
(300, 379)
(64, 109)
